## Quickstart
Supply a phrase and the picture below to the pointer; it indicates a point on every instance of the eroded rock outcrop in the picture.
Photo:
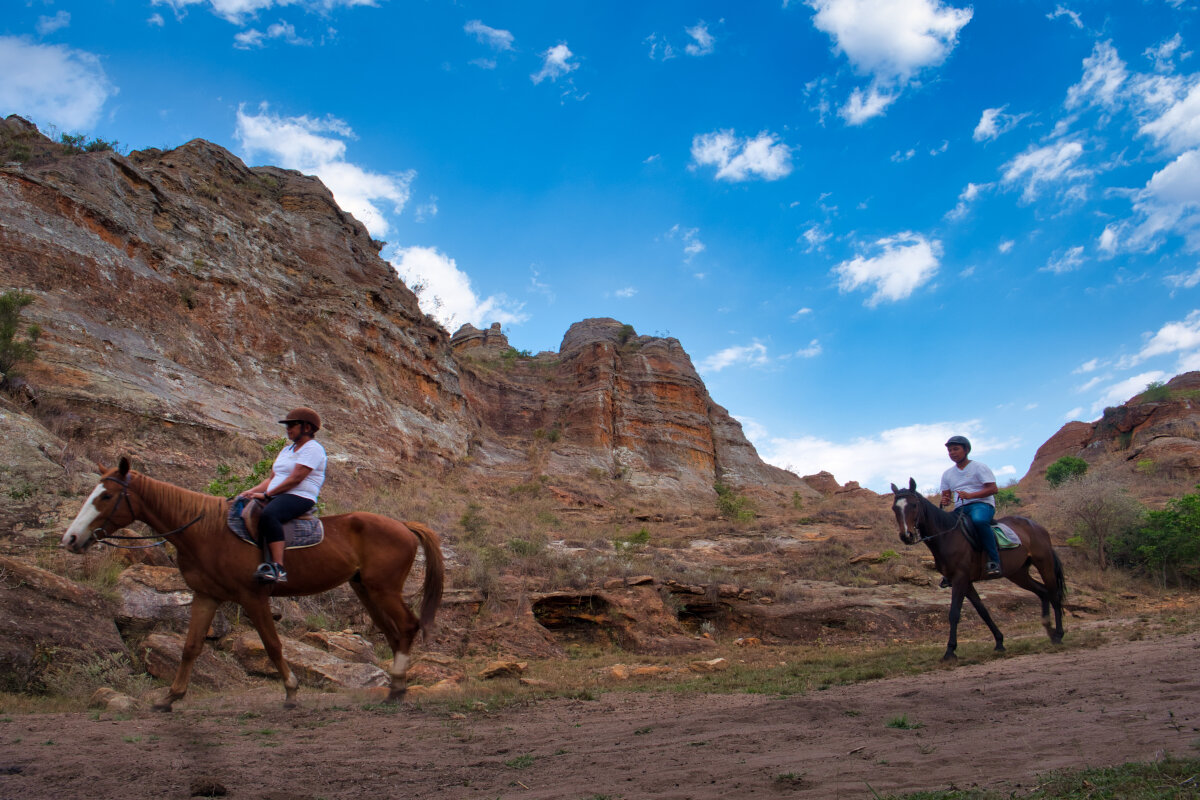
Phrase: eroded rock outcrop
(617, 403)
(1159, 430)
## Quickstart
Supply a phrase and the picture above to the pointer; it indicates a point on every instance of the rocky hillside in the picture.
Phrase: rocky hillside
(186, 300)
(1155, 434)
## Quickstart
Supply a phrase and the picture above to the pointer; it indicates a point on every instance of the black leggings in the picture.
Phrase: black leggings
(283, 507)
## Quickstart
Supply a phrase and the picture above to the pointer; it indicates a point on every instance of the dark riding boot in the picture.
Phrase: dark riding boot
(945, 584)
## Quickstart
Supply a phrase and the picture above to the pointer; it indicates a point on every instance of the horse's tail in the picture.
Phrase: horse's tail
(435, 573)
(1060, 582)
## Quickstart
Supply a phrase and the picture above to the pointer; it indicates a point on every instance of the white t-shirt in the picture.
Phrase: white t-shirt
(311, 454)
(970, 479)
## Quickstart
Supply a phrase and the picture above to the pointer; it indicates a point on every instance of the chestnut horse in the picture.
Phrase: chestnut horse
(371, 552)
(944, 533)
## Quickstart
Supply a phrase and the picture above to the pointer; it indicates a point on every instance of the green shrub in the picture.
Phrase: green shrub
(1156, 392)
(1065, 469)
(632, 541)
(473, 523)
(732, 505)
(1007, 498)
(13, 348)
(1167, 545)
(227, 483)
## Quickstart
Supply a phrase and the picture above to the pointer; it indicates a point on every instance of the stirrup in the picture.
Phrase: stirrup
(270, 572)
(993, 569)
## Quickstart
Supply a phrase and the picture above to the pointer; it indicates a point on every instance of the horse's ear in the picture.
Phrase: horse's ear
(912, 484)
(894, 489)
(123, 467)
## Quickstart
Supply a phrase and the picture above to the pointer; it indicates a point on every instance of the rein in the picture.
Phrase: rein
(100, 536)
(957, 526)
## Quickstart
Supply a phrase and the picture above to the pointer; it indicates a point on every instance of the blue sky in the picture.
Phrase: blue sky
(871, 223)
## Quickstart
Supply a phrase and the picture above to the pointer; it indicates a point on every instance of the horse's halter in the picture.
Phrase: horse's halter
(911, 496)
(99, 533)
(102, 536)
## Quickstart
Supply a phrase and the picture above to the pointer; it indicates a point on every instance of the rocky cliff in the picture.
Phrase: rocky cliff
(1156, 432)
(186, 300)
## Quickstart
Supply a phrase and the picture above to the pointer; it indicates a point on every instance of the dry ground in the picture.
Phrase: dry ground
(995, 724)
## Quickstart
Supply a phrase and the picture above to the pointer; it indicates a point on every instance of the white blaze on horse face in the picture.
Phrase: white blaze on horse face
(79, 534)
(901, 517)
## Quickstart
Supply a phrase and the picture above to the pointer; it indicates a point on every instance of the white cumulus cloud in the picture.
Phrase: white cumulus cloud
(316, 147)
(890, 41)
(738, 159)
(901, 265)
(1039, 166)
(878, 460)
(702, 41)
(556, 62)
(1068, 261)
(52, 84)
(994, 122)
(445, 291)
(495, 38)
(48, 25)
(754, 355)
(1103, 75)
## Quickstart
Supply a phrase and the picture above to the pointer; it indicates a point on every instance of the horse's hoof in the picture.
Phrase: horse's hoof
(164, 708)
(396, 696)
(1000, 649)
(1056, 640)
(290, 705)
(950, 656)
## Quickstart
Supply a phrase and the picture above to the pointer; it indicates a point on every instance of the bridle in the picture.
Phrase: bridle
(102, 536)
(959, 523)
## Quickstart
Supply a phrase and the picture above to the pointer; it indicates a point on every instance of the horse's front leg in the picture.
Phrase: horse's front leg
(981, 609)
(259, 611)
(957, 589)
(203, 610)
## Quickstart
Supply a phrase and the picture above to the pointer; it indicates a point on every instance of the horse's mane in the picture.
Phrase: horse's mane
(936, 516)
(185, 502)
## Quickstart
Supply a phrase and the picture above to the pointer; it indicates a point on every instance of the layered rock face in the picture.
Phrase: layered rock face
(182, 291)
(1159, 430)
(614, 401)
(187, 300)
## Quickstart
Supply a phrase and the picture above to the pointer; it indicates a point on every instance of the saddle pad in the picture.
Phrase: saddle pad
(300, 532)
(1006, 538)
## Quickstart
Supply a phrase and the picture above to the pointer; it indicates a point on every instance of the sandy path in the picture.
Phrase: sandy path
(996, 724)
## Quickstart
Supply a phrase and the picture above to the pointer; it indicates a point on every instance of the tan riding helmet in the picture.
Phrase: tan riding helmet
(303, 414)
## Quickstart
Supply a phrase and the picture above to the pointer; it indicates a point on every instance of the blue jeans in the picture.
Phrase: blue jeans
(982, 514)
(283, 507)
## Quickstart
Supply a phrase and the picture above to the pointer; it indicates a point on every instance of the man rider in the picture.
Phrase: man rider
(972, 486)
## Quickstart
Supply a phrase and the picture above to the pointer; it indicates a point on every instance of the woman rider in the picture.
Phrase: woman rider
(291, 489)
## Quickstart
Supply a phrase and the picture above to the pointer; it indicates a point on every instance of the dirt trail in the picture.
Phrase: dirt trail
(996, 724)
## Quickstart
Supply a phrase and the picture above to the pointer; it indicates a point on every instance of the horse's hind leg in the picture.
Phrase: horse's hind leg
(259, 611)
(391, 615)
(1026, 581)
(203, 610)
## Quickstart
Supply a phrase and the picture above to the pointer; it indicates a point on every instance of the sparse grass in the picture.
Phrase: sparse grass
(903, 723)
(1169, 779)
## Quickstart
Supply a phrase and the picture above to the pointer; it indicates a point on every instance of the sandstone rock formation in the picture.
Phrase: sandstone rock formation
(186, 299)
(613, 402)
(1155, 431)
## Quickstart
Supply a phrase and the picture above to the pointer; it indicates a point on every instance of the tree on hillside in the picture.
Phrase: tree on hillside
(1168, 544)
(1098, 510)
(13, 349)
(1065, 469)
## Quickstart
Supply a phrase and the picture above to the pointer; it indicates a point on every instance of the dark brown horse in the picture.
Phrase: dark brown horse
(944, 533)
(372, 552)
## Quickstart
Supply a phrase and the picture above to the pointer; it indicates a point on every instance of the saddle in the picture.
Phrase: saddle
(305, 530)
(1006, 537)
